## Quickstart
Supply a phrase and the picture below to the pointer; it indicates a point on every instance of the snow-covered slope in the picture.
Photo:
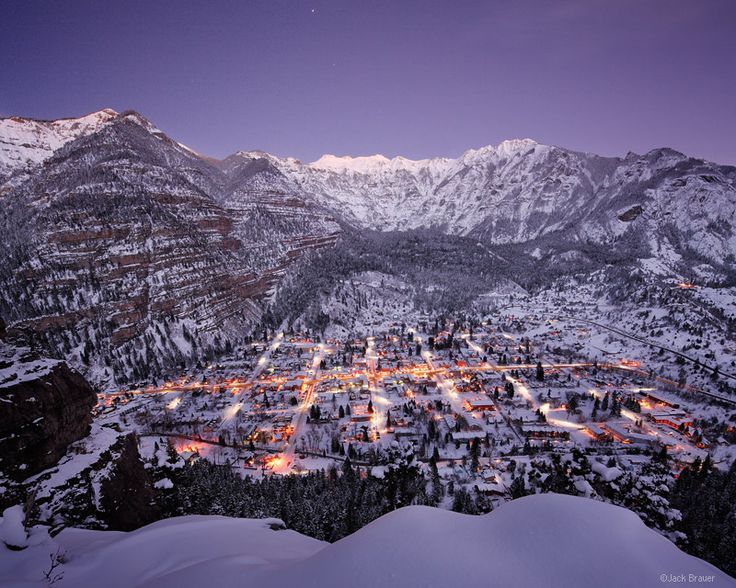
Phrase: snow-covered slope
(26, 141)
(124, 235)
(455, 194)
(520, 190)
(541, 540)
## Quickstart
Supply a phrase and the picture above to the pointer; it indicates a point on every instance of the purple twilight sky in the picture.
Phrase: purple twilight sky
(418, 78)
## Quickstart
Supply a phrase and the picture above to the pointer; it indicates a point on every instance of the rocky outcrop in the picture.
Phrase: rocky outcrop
(100, 483)
(44, 407)
(128, 499)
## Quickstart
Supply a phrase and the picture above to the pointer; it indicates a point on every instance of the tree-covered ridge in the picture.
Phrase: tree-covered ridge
(706, 497)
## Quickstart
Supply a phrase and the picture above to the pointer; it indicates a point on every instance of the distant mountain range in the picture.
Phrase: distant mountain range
(125, 247)
(521, 190)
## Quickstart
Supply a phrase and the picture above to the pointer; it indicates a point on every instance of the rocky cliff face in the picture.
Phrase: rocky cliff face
(44, 407)
(101, 482)
(51, 462)
(131, 255)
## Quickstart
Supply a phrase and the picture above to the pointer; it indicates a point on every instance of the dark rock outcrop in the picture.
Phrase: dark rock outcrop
(111, 490)
(128, 499)
(44, 406)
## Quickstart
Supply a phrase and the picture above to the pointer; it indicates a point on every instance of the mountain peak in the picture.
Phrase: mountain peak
(516, 144)
(104, 114)
(362, 164)
(664, 153)
(505, 148)
(511, 146)
(27, 141)
(253, 154)
(137, 118)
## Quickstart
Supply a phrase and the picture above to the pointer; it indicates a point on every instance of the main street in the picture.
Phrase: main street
(299, 419)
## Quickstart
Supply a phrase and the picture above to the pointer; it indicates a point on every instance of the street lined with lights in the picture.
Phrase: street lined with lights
(291, 413)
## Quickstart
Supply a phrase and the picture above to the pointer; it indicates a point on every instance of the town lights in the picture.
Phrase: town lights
(276, 462)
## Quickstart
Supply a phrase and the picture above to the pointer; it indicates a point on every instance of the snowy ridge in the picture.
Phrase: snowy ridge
(26, 141)
(524, 543)
(20, 364)
(373, 164)
(456, 194)
(521, 190)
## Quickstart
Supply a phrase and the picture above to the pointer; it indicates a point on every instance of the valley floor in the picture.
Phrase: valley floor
(557, 393)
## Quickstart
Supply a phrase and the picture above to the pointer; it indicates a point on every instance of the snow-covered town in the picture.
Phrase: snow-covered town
(489, 406)
(370, 294)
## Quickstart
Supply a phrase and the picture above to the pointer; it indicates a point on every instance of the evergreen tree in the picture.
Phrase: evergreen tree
(518, 487)
(474, 455)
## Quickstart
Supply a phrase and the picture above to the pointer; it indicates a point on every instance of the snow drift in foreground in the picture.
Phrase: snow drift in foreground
(542, 540)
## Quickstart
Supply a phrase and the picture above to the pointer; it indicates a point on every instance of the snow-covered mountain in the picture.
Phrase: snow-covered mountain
(541, 540)
(520, 190)
(123, 245)
(26, 142)
(107, 203)
(454, 194)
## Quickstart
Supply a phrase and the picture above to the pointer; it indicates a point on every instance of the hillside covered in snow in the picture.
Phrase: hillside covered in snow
(546, 540)
(25, 142)
(521, 190)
